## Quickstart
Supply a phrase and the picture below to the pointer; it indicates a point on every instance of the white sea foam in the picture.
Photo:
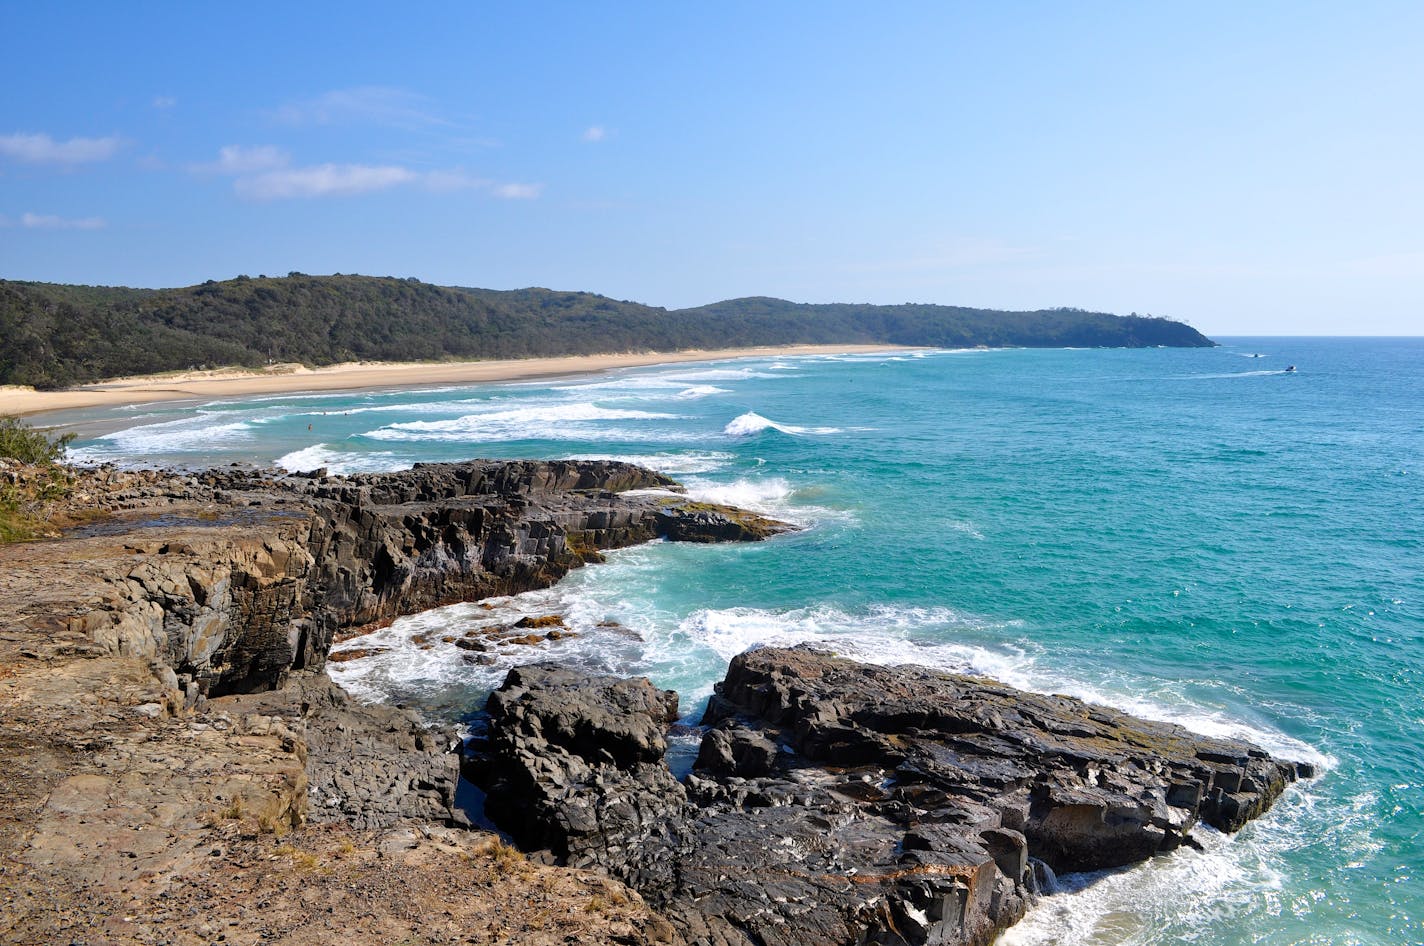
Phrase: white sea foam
(1234, 876)
(758, 495)
(411, 660)
(421, 407)
(670, 463)
(700, 390)
(882, 635)
(751, 423)
(968, 528)
(715, 374)
(1234, 374)
(185, 435)
(544, 421)
(340, 462)
(670, 378)
(700, 643)
(619, 384)
(770, 496)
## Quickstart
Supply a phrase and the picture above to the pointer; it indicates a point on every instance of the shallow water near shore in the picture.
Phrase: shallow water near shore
(1191, 535)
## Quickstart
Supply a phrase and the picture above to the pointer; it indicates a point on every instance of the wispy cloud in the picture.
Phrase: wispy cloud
(32, 221)
(594, 133)
(237, 159)
(377, 105)
(266, 172)
(322, 180)
(518, 191)
(164, 101)
(43, 149)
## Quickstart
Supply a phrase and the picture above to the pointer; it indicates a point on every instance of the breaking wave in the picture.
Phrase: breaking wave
(751, 423)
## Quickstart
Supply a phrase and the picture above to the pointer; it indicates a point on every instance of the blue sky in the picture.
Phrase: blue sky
(1249, 168)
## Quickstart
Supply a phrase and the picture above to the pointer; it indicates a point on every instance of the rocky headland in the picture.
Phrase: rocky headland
(175, 767)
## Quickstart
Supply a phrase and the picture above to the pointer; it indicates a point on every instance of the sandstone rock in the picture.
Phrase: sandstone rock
(248, 577)
(368, 765)
(547, 620)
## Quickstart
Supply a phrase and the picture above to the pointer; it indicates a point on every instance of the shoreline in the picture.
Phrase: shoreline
(352, 376)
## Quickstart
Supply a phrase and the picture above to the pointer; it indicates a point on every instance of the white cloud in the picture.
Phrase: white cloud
(374, 104)
(164, 101)
(266, 172)
(43, 149)
(595, 133)
(518, 191)
(237, 159)
(322, 180)
(52, 222)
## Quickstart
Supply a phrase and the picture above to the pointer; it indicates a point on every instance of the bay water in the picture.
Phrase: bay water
(1193, 535)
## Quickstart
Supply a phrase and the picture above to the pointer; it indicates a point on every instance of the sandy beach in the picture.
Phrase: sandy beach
(284, 379)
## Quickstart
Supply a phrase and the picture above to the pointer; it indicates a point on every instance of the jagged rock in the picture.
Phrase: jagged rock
(553, 733)
(248, 577)
(840, 803)
(1089, 786)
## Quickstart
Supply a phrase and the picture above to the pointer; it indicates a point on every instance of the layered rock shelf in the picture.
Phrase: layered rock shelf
(166, 728)
(838, 802)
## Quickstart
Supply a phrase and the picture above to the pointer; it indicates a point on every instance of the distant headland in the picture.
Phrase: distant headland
(53, 336)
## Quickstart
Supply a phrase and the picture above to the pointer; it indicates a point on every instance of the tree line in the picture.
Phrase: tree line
(55, 335)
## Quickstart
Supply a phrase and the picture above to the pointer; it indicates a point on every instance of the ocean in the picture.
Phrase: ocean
(1196, 535)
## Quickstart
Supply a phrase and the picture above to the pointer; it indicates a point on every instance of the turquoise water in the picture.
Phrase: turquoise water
(1192, 535)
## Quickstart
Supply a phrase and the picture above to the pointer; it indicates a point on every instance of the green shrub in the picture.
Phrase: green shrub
(26, 494)
(19, 441)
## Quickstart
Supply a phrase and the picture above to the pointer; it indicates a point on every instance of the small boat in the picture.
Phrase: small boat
(1290, 368)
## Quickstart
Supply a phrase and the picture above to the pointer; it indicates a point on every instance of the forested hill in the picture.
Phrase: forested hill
(55, 335)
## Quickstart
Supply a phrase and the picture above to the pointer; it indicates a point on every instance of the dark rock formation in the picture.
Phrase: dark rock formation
(555, 733)
(835, 802)
(245, 577)
(1089, 786)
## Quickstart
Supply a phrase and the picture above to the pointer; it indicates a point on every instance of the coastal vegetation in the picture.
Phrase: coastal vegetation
(32, 475)
(55, 335)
